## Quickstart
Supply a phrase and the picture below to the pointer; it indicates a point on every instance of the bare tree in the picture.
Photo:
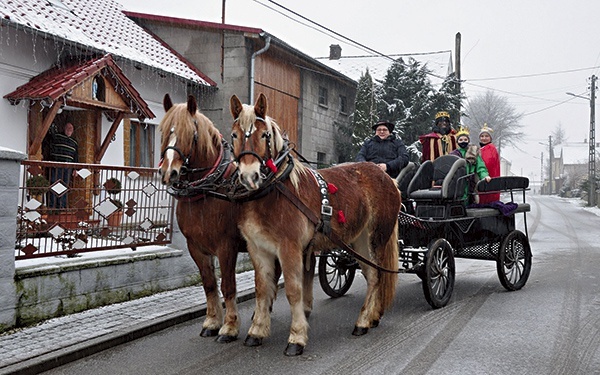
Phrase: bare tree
(559, 136)
(494, 110)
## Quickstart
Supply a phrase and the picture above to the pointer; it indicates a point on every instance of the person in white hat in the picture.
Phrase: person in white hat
(491, 158)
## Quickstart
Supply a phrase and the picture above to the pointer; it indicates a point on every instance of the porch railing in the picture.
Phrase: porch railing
(74, 208)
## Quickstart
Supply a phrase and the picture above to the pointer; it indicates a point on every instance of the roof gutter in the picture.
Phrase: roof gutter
(252, 62)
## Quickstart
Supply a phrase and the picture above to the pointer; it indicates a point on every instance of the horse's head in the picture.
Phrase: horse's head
(188, 140)
(256, 140)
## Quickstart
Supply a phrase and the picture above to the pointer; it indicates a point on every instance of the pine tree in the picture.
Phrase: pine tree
(406, 98)
(365, 112)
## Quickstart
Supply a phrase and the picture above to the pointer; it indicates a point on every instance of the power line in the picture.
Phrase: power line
(534, 74)
(354, 42)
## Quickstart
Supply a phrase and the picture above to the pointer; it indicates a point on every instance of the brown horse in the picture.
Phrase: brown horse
(365, 202)
(193, 152)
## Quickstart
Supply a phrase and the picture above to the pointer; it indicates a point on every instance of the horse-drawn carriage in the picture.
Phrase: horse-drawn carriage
(276, 219)
(435, 227)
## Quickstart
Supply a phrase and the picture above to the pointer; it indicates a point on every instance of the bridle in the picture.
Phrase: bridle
(266, 164)
(185, 167)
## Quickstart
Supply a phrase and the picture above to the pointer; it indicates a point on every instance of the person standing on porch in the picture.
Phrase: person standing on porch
(64, 149)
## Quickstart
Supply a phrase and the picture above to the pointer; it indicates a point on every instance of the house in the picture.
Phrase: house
(307, 98)
(84, 62)
(570, 164)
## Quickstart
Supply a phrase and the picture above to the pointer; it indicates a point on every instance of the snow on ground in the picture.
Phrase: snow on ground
(580, 203)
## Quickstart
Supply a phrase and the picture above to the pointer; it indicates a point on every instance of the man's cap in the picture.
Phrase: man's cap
(387, 124)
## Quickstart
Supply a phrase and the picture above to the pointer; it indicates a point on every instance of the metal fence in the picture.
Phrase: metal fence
(74, 208)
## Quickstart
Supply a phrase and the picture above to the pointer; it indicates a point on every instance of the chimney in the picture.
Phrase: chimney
(335, 52)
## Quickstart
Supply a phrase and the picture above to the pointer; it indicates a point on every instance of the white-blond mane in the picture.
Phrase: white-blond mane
(246, 120)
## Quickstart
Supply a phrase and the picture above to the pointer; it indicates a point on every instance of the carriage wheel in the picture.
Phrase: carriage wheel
(514, 261)
(336, 272)
(439, 272)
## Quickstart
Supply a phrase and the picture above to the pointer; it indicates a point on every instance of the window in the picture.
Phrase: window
(321, 156)
(343, 104)
(141, 150)
(322, 96)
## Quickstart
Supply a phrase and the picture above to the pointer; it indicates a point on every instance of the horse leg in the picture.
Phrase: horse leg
(214, 309)
(265, 289)
(381, 285)
(368, 316)
(231, 327)
(309, 276)
(294, 274)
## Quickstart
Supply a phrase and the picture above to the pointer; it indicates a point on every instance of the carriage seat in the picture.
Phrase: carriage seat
(509, 184)
(404, 178)
(440, 180)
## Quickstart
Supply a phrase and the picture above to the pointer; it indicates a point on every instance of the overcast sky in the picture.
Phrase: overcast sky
(551, 46)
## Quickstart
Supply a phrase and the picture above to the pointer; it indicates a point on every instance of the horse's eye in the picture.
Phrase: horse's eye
(233, 135)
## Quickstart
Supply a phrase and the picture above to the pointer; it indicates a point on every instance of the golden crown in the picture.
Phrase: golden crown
(462, 131)
(486, 129)
(442, 114)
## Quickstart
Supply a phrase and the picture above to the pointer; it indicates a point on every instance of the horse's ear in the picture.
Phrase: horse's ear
(167, 103)
(192, 106)
(235, 106)
(260, 107)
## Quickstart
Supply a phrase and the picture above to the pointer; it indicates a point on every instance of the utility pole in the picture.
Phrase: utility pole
(457, 70)
(592, 140)
(542, 172)
(550, 179)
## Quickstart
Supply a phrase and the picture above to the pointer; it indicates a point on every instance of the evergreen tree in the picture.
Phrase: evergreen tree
(406, 99)
(448, 99)
(365, 112)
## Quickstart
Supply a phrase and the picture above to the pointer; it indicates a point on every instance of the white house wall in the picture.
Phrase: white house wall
(24, 56)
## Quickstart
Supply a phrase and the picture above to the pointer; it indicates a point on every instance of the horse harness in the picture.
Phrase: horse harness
(215, 177)
(323, 224)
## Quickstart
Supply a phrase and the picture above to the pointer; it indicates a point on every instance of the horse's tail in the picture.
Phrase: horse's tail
(389, 260)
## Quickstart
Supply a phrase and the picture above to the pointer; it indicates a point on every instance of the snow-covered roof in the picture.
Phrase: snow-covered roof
(102, 25)
(574, 152)
(440, 64)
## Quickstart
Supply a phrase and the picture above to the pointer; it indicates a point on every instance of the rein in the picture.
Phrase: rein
(319, 225)
(209, 183)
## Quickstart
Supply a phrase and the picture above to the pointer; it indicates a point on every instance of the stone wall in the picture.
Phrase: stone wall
(9, 191)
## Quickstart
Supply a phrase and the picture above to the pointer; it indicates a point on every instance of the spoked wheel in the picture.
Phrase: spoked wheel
(514, 261)
(439, 272)
(336, 272)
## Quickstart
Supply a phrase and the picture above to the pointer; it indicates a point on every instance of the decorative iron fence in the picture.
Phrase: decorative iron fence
(74, 208)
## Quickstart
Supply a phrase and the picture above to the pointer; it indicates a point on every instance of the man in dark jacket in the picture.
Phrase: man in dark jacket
(385, 149)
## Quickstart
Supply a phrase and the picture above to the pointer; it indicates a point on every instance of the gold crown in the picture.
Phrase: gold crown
(486, 129)
(462, 131)
(442, 114)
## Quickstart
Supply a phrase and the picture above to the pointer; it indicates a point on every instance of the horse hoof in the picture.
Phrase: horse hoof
(375, 324)
(293, 350)
(225, 339)
(252, 341)
(359, 331)
(209, 332)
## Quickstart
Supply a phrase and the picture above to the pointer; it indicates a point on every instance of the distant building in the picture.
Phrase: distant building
(570, 164)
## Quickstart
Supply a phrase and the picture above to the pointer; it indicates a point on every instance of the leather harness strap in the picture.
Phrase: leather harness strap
(319, 224)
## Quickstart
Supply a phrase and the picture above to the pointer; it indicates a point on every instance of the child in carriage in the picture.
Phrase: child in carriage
(476, 169)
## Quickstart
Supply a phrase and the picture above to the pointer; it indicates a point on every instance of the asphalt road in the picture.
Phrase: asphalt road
(551, 326)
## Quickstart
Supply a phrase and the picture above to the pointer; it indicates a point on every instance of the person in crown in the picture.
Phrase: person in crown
(442, 139)
(476, 169)
(491, 158)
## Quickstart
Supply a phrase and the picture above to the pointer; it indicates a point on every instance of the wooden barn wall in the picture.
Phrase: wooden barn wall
(280, 82)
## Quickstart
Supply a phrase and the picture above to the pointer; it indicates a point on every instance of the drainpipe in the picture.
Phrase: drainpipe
(266, 47)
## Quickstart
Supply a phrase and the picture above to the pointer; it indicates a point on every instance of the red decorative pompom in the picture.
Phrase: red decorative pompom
(271, 165)
(341, 217)
(332, 188)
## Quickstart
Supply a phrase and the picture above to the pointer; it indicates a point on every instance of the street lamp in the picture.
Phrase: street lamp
(592, 142)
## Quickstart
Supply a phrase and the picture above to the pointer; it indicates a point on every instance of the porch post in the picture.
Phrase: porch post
(10, 162)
